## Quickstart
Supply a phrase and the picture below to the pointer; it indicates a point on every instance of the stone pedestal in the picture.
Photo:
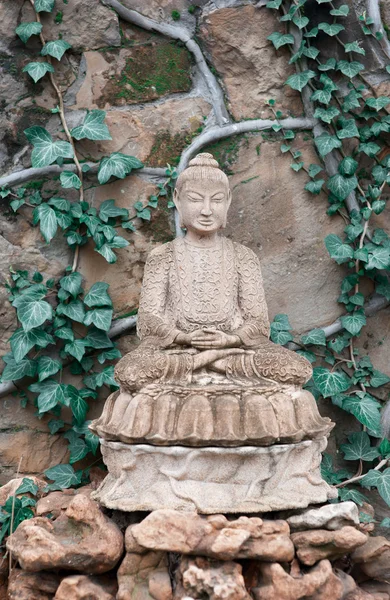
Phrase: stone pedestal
(213, 480)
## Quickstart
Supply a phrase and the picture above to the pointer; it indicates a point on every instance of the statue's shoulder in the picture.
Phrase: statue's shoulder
(161, 252)
(243, 252)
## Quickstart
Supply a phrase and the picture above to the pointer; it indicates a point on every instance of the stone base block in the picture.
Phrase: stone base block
(213, 480)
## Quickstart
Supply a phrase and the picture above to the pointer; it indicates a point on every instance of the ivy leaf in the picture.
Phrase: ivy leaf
(299, 80)
(51, 393)
(37, 70)
(326, 143)
(63, 476)
(72, 283)
(354, 322)
(76, 349)
(327, 114)
(74, 310)
(280, 330)
(100, 317)
(93, 127)
(70, 180)
(26, 30)
(47, 219)
(22, 341)
(350, 69)
(330, 65)
(359, 447)
(378, 379)
(341, 186)
(109, 355)
(354, 47)
(55, 48)
(77, 447)
(316, 336)
(280, 39)
(33, 313)
(64, 333)
(314, 170)
(27, 487)
(79, 407)
(382, 483)
(98, 339)
(365, 408)
(109, 210)
(348, 166)
(349, 129)
(341, 11)
(378, 103)
(117, 165)
(46, 151)
(44, 5)
(55, 425)
(378, 258)
(330, 383)
(300, 22)
(98, 295)
(350, 494)
(369, 148)
(47, 366)
(17, 370)
(331, 28)
(322, 96)
(315, 186)
(60, 203)
(107, 253)
(339, 251)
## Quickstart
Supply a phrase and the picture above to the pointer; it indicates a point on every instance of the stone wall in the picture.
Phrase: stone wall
(157, 101)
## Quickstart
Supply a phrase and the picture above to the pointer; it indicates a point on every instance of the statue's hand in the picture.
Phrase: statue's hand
(212, 338)
(209, 356)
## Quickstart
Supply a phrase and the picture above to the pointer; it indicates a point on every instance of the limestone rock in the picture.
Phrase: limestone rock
(360, 594)
(144, 577)
(215, 580)
(213, 480)
(318, 583)
(312, 546)
(379, 589)
(56, 502)
(32, 586)
(82, 587)
(330, 516)
(373, 558)
(214, 536)
(252, 71)
(9, 20)
(81, 539)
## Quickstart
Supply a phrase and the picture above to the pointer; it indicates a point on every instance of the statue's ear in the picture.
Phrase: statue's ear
(229, 199)
(176, 198)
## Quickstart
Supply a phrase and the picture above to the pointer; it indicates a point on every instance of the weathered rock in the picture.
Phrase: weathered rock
(82, 587)
(9, 489)
(215, 580)
(81, 539)
(312, 546)
(379, 589)
(318, 583)
(252, 71)
(161, 10)
(144, 577)
(360, 594)
(9, 20)
(373, 558)
(214, 536)
(330, 516)
(56, 502)
(32, 586)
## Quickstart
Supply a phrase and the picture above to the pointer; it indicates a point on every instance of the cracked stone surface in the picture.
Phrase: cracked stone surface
(312, 546)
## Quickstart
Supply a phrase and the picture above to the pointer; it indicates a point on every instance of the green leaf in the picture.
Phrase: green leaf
(108, 210)
(378, 103)
(98, 339)
(348, 166)
(300, 22)
(77, 447)
(359, 447)
(64, 476)
(274, 4)
(26, 30)
(299, 80)
(316, 336)
(93, 127)
(330, 65)
(79, 408)
(47, 219)
(76, 349)
(51, 393)
(339, 251)
(74, 310)
(314, 170)
(354, 47)
(47, 366)
(33, 313)
(64, 333)
(70, 180)
(98, 295)
(117, 165)
(380, 480)
(384, 448)
(327, 114)
(22, 341)
(341, 11)
(330, 383)
(350, 494)
(55, 425)
(100, 317)
(107, 253)
(55, 48)
(72, 283)
(280, 39)
(323, 96)
(326, 143)
(37, 70)
(109, 355)
(378, 258)
(369, 148)
(354, 322)
(27, 487)
(46, 151)
(341, 186)
(349, 129)
(315, 186)
(365, 408)
(60, 203)
(350, 69)
(378, 379)
(331, 28)
(44, 5)
(17, 370)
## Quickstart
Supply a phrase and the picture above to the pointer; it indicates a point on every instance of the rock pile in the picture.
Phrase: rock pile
(72, 550)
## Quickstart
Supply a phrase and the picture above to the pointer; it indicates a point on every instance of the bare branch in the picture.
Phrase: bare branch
(373, 10)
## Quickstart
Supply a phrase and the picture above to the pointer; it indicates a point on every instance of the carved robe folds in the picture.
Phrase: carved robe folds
(244, 440)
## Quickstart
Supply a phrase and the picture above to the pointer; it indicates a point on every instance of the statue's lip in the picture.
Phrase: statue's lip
(205, 222)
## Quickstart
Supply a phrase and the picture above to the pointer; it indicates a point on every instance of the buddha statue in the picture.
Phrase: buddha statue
(205, 374)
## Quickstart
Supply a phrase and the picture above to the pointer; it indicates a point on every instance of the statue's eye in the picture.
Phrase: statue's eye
(218, 198)
(195, 198)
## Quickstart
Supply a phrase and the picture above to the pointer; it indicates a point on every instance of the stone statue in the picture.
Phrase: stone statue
(206, 384)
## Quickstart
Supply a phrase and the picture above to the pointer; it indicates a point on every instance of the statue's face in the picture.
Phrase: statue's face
(203, 205)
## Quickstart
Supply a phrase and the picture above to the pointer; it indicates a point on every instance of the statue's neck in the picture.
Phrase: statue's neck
(202, 241)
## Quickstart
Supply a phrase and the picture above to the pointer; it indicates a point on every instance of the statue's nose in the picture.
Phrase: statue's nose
(206, 211)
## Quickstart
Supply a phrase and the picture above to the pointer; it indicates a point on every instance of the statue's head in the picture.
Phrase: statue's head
(202, 195)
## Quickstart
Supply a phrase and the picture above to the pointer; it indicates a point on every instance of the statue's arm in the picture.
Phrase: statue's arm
(152, 322)
(251, 299)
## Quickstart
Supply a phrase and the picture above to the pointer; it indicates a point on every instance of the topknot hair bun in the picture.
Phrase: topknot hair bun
(204, 159)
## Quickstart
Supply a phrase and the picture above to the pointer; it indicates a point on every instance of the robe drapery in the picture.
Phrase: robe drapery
(186, 288)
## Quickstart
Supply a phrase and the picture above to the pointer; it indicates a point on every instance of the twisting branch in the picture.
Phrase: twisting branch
(181, 34)
(373, 10)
